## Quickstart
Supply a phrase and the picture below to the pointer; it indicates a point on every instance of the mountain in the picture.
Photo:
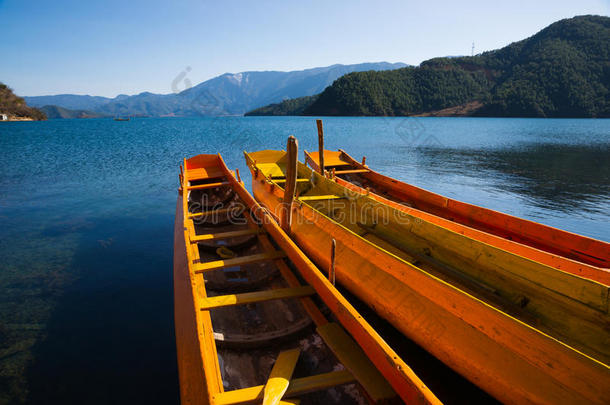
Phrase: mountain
(293, 106)
(228, 94)
(15, 107)
(56, 112)
(562, 71)
(69, 101)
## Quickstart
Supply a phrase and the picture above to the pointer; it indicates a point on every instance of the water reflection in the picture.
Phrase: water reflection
(556, 177)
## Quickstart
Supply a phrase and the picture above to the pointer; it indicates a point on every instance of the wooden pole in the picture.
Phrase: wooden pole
(292, 150)
(320, 146)
(331, 270)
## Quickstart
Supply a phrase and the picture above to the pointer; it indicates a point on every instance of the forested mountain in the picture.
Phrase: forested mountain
(228, 94)
(293, 106)
(562, 71)
(15, 107)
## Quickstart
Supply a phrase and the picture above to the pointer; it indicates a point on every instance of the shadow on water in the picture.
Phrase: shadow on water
(111, 336)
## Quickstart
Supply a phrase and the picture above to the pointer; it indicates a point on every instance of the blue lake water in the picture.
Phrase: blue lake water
(87, 208)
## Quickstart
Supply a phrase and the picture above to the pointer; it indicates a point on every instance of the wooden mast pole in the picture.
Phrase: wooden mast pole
(292, 150)
(320, 146)
(331, 269)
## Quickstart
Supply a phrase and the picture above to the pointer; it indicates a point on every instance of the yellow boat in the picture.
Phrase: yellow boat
(562, 250)
(245, 301)
(521, 330)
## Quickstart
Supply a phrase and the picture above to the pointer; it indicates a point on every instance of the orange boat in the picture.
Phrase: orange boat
(243, 334)
(521, 330)
(559, 249)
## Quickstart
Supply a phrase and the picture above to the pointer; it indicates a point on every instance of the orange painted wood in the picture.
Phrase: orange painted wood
(513, 361)
(562, 250)
(389, 364)
(400, 376)
(193, 389)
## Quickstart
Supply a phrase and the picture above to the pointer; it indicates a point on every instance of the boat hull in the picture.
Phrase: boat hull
(563, 250)
(193, 390)
(506, 357)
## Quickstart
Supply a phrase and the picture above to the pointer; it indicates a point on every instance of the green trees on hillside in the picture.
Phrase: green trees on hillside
(292, 106)
(11, 104)
(400, 92)
(562, 71)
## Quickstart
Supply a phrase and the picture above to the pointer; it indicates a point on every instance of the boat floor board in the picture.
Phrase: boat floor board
(258, 296)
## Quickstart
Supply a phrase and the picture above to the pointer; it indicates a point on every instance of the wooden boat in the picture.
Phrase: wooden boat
(562, 250)
(121, 119)
(245, 300)
(521, 330)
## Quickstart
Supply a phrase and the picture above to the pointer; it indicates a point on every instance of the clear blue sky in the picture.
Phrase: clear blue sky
(111, 47)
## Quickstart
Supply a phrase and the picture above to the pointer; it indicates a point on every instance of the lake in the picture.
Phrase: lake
(87, 209)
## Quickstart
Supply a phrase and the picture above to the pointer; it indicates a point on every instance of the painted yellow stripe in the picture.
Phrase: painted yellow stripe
(284, 180)
(279, 379)
(319, 197)
(257, 296)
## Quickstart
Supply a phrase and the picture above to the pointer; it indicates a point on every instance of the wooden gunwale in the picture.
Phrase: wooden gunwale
(505, 356)
(563, 250)
(210, 388)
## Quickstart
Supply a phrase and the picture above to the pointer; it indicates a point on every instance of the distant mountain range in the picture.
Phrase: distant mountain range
(562, 71)
(55, 112)
(228, 94)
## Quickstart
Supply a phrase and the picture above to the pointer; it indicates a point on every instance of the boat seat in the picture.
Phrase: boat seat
(331, 158)
(257, 296)
(354, 171)
(204, 173)
(237, 261)
(298, 386)
(217, 213)
(208, 185)
(221, 235)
